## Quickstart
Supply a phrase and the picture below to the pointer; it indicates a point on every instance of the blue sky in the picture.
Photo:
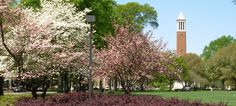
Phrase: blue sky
(207, 20)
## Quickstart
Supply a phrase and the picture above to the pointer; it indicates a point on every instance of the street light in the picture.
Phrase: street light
(90, 19)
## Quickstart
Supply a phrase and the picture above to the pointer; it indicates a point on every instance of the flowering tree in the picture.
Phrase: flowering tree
(46, 41)
(4, 4)
(129, 56)
(173, 67)
(69, 31)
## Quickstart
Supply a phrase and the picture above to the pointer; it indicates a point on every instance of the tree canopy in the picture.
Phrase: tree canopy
(195, 68)
(222, 64)
(136, 15)
(103, 10)
(215, 45)
(108, 12)
(130, 56)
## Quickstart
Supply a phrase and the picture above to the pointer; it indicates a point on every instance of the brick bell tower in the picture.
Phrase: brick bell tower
(181, 35)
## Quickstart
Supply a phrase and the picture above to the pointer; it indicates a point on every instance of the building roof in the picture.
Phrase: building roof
(181, 16)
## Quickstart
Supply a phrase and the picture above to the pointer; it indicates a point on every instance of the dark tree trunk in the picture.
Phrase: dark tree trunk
(234, 83)
(223, 84)
(43, 95)
(110, 84)
(63, 83)
(115, 84)
(170, 85)
(141, 87)
(1, 85)
(60, 84)
(66, 83)
(124, 87)
(127, 90)
(76, 83)
(45, 88)
(100, 86)
(34, 92)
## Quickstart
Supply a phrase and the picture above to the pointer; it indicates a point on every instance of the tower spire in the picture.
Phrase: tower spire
(181, 35)
(181, 16)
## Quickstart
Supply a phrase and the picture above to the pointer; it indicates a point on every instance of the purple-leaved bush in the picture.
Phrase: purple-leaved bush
(81, 99)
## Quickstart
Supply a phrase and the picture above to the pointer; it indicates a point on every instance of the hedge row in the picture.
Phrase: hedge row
(81, 99)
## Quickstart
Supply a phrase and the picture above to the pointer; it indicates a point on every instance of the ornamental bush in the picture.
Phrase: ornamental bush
(81, 99)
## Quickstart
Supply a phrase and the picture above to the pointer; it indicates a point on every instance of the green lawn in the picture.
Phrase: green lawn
(11, 98)
(204, 96)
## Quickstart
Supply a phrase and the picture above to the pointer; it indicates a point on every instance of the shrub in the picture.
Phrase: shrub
(81, 99)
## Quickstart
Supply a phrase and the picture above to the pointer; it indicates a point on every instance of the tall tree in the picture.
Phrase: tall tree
(216, 45)
(103, 10)
(136, 15)
(222, 65)
(47, 42)
(195, 68)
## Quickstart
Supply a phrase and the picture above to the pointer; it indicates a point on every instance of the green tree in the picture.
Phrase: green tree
(160, 81)
(216, 45)
(222, 65)
(31, 3)
(103, 10)
(195, 69)
(136, 15)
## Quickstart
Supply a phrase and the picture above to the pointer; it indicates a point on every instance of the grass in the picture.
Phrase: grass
(228, 97)
(9, 99)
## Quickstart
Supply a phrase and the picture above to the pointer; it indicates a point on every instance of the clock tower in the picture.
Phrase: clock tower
(181, 35)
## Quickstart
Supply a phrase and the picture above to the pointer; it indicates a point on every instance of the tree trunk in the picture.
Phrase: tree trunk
(66, 83)
(115, 84)
(127, 90)
(109, 83)
(234, 83)
(223, 84)
(124, 87)
(60, 84)
(100, 86)
(1, 85)
(43, 95)
(76, 81)
(170, 85)
(34, 92)
(141, 87)
(63, 83)
(45, 88)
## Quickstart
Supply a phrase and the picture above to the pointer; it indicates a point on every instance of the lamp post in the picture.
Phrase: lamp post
(90, 19)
